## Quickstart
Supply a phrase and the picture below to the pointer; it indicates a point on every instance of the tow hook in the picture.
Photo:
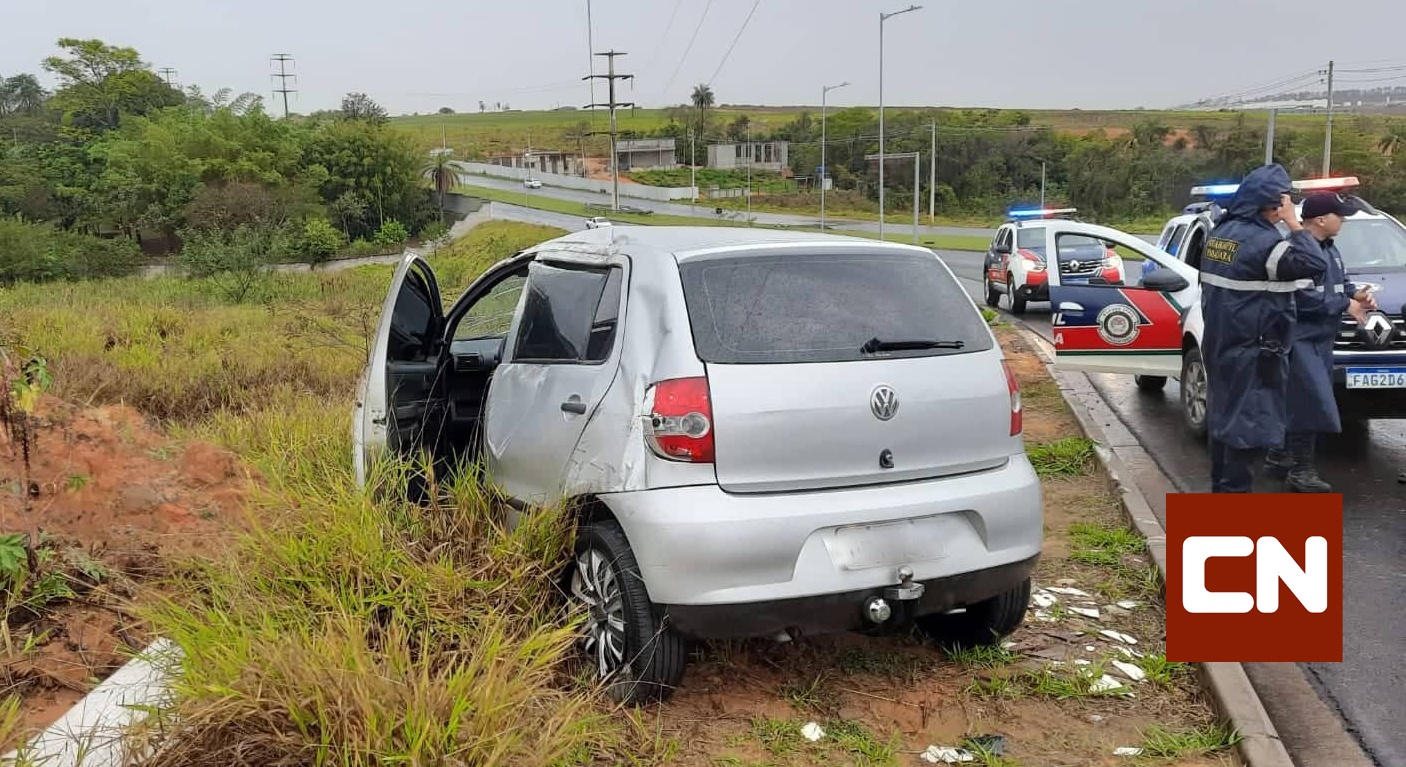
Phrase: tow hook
(906, 590)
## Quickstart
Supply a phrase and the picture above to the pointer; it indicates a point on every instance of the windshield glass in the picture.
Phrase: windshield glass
(1372, 244)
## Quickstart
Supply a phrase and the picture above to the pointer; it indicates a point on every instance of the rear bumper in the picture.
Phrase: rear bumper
(699, 546)
(832, 613)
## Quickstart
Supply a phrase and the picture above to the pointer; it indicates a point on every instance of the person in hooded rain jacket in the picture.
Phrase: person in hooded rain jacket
(1249, 274)
(1318, 316)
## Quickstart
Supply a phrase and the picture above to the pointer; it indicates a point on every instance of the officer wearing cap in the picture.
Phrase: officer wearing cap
(1249, 274)
(1318, 313)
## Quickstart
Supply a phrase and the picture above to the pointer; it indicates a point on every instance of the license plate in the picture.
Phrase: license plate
(1376, 378)
(861, 547)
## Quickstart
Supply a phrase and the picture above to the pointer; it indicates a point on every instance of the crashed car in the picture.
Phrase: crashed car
(762, 434)
(1016, 263)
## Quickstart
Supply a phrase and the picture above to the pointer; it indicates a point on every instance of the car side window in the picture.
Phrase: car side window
(1174, 243)
(492, 314)
(1003, 238)
(568, 315)
(412, 319)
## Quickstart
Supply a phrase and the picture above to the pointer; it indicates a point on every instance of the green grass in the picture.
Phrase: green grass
(1102, 545)
(1165, 743)
(1070, 456)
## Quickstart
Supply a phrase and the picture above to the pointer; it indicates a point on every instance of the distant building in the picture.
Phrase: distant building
(645, 153)
(560, 163)
(774, 156)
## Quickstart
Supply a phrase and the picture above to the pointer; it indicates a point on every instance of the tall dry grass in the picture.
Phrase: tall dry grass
(334, 629)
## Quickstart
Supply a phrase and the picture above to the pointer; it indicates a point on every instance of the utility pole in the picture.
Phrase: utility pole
(167, 72)
(283, 75)
(1042, 185)
(932, 175)
(613, 105)
(749, 171)
(1269, 140)
(1328, 132)
(692, 174)
(882, 18)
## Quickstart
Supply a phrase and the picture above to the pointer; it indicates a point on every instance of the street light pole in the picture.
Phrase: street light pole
(749, 172)
(824, 170)
(882, 18)
(1042, 185)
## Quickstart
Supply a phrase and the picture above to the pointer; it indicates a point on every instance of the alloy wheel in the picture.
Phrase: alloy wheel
(596, 585)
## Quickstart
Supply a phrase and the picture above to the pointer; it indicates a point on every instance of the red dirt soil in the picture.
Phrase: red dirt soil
(103, 485)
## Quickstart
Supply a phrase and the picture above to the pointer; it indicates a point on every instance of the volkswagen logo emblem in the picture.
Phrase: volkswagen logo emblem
(1378, 329)
(884, 402)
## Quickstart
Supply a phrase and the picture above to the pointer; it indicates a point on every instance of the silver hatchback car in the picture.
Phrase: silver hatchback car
(765, 433)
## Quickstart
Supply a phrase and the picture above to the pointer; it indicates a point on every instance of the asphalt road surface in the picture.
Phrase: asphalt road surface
(1368, 689)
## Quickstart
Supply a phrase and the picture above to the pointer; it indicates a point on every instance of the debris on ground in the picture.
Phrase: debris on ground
(813, 732)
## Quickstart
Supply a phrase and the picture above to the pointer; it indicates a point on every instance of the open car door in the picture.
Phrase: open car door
(400, 388)
(1115, 328)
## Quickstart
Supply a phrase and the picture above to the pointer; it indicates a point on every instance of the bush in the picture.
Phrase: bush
(321, 240)
(362, 249)
(392, 232)
(237, 263)
(32, 252)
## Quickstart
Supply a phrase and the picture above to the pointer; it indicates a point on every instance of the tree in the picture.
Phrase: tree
(242, 104)
(442, 176)
(380, 165)
(359, 106)
(21, 94)
(702, 100)
(446, 111)
(482, 107)
(100, 82)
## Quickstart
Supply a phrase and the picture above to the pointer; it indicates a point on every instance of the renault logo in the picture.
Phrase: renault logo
(884, 402)
(1073, 266)
(1378, 329)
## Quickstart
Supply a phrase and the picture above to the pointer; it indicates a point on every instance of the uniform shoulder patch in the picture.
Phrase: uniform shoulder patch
(1221, 249)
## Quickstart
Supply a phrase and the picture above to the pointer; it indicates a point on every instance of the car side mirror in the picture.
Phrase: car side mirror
(1001, 250)
(1165, 280)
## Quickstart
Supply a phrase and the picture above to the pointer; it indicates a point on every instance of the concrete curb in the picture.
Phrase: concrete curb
(1234, 697)
(92, 733)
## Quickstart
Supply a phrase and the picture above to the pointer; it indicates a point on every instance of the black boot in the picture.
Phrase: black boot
(1278, 463)
(1303, 476)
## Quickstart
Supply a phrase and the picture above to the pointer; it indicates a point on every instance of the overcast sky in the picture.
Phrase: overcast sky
(419, 55)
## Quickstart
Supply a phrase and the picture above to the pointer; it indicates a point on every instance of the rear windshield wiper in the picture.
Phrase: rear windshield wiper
(877, 345)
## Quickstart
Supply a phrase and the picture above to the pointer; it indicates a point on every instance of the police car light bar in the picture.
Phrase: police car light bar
(1321, 184)
(1215, 190)
(1040, 212)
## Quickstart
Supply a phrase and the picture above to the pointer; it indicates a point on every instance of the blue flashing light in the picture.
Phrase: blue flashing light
(1215, 190)
(1037, 212)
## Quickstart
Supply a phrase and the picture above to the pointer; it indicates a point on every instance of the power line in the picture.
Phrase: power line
(691, 40)
(735, 38)
(283, 75)
(664, 37)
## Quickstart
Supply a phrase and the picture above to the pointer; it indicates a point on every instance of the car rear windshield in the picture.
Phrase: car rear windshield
(826, 307)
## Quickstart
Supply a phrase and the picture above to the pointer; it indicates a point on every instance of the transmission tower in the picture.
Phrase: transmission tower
(167, 73)
(612, 105)
(283, 75)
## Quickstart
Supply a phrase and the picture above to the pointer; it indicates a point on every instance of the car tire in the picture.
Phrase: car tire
(1017, 303)
(984, 623)
(644, 661)
(1151, 383)
(993, 296)
(1193, 392)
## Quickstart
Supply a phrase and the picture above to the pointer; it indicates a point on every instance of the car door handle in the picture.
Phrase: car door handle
(1070, 306)
(574, 406)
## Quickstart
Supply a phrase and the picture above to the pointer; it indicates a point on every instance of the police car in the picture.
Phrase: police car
(1369, 361)
(1016, 263)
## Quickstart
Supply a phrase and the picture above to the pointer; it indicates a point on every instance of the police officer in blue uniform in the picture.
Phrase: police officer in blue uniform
(1249, 274)
(1319, 311)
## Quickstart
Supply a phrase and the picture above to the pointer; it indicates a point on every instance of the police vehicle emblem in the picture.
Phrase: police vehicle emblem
(1118, 324)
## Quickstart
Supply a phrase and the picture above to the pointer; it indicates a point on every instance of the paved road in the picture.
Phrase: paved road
(1368, 689)
(705, 210)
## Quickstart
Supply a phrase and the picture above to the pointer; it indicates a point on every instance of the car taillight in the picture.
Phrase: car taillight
(679, 425)
(1013, 388)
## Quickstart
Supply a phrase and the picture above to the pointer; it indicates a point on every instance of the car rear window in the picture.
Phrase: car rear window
(825, 307)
